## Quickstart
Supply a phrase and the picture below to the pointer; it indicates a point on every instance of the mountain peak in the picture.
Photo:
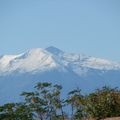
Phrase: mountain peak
(54, 50)
(35, 50)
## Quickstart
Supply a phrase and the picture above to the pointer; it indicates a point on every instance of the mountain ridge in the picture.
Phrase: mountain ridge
(52, 57)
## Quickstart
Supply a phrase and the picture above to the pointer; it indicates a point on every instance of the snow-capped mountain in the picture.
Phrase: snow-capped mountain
(21, 72)
(36, 60)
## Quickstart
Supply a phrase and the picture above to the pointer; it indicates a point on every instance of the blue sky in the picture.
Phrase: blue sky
(83, 26)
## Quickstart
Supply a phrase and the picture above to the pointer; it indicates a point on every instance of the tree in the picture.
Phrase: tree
(46, 102)
(103, 103)
(12, 111)
(76, 100)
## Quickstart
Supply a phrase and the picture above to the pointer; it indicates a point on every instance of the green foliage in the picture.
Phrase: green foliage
(103, 103)
(76, 101)
(12, 111)
(45, 103)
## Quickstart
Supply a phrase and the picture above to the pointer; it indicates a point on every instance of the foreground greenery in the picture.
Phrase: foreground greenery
(45, 103)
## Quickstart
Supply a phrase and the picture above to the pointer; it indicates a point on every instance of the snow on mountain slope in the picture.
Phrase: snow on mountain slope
(21, 72)
(33, 60)
(5, 60)
(43, 59)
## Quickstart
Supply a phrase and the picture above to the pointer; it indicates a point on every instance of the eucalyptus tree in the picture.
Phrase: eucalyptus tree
(45, 103)
(76, 101)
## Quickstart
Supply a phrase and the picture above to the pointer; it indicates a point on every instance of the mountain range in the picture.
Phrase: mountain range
(22, 72)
